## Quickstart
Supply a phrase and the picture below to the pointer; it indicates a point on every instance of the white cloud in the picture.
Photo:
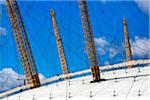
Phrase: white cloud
(8, 79)
(3, 31)
(140, 47)
(143, 5)
(113, 52)
(103, 46)
(101, 41)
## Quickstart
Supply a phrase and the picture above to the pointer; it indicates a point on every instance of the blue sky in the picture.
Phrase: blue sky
(107, 23)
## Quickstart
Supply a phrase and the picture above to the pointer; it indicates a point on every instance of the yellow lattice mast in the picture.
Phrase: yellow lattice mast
(59, 45)
(127, 43)
(89, 39)
(22, 43)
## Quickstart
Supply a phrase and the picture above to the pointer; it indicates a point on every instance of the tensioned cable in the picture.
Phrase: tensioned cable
(38, 45)
(3, 45)
(122, 32)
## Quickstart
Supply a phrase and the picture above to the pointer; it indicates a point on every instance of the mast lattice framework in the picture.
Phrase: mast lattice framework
(59, 45)
(22, 43)
(89, 39)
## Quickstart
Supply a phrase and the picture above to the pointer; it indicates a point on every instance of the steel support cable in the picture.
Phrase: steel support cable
(63, 29)
(130, 87)
(140, 87)
(123, 12)
(5, 23)
(118, 28)
(43, 53)
(131, 47)
(63, 21)
(148, 45)
(37, 31)
(77, 54)
(109, 24)
(42, 25)
(113, 38)
(122, 32)
(29, 7)
(11, 34)
(112, 42)
(41, 50)
(35, 37)
(39, 45)
(74, 49)
(122, 55)
(142, 48)
(27, 14)
(7, 41)
(43, 15)
(70, 35)
(118, 22)
(36, 20)
(106, 19)
(40, 13)
(3, 60)
(137, 46)
(134, 25)
(104, 22)
(40, 28)
(66, 31)
(17, 61)
(140, 12)
(17, 66)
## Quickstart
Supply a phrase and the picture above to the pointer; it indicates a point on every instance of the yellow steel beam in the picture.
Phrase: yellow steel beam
(59, 45)
(127, 42)
(89, 39)
(22, 43)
